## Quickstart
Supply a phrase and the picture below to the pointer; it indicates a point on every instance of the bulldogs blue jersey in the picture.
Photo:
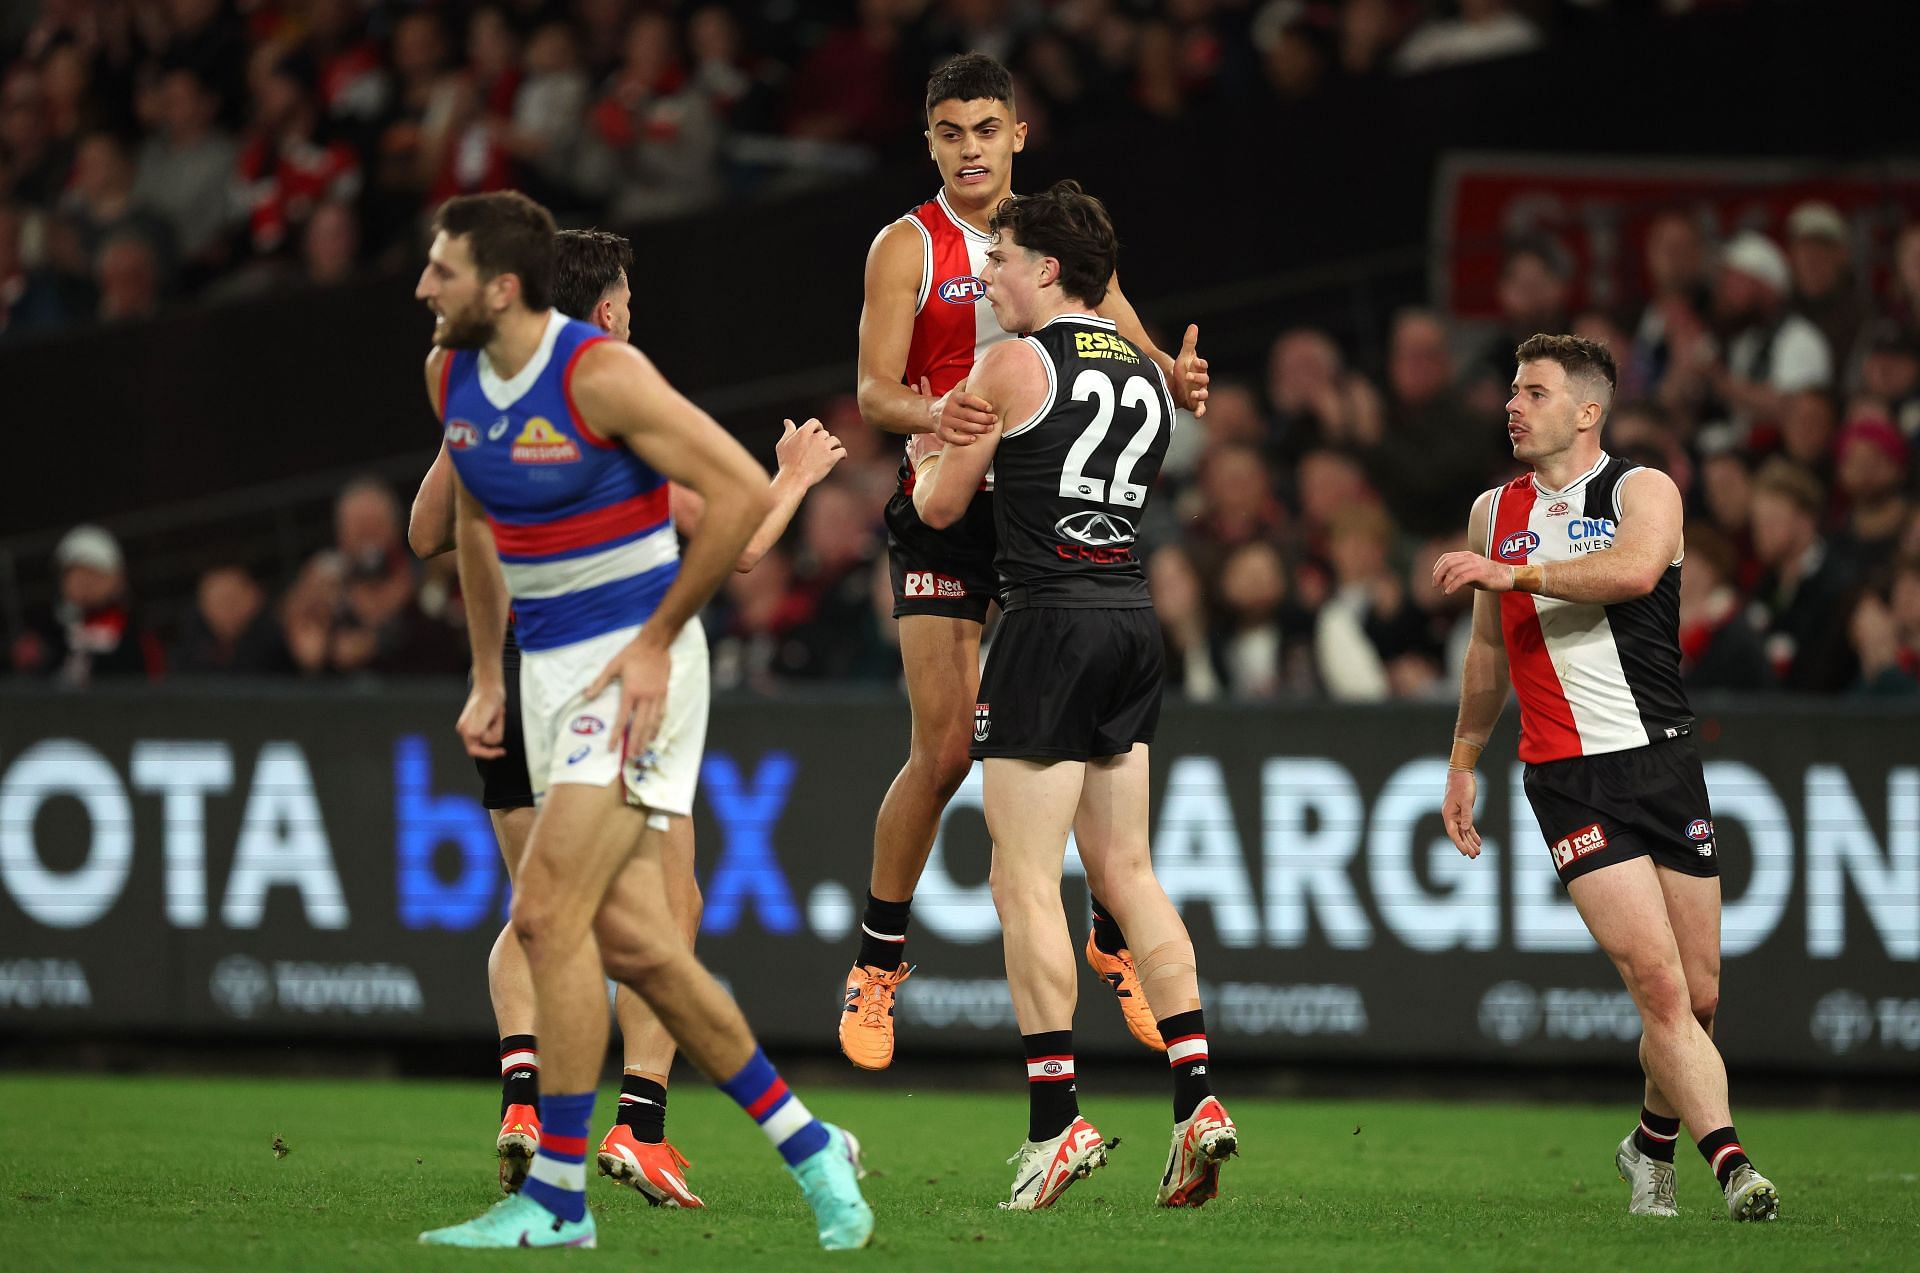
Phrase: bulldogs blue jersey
(582, 524)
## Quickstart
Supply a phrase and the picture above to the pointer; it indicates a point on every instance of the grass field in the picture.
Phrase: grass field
(169, 1173)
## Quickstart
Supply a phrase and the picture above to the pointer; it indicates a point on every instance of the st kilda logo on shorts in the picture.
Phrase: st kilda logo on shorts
(962, 289)
(981, 722)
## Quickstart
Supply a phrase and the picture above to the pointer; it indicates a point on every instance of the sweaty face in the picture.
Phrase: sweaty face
(1542, 412)
(452, 289)
(973, 144)
(1013, 276)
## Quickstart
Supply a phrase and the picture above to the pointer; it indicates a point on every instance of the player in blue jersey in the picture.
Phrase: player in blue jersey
(563, 442)
(591, 284)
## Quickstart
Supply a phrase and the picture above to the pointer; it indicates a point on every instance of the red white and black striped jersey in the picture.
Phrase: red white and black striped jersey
(1590, 678)
(952, 323)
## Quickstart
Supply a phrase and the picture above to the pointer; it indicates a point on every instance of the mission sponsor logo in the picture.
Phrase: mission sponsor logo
(963, 289)
(1516, 546)
(540, 443)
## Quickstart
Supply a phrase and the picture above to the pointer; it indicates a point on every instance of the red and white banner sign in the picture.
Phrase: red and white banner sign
(1597, 212)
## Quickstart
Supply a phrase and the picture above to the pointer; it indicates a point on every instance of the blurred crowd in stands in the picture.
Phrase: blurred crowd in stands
(208, 147)
(153, 151)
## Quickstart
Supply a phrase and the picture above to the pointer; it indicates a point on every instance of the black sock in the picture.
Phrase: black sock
(1053, 1101)
(1722, 1151)
(1106, 934)
(643, 1108)
(1655, 1136)
(519, 1072)
(1186, 1038)
(883, 933)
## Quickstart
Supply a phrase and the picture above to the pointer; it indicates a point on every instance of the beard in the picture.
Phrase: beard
(470, 328)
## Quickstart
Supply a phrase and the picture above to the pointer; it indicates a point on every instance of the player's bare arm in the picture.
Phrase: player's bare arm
(430, 525)
(886, 334)
(620, 394)
(1645, 544)
(805, 454)
(1483, 694)
(483, 589)
(1009, 373)
(1186, 374)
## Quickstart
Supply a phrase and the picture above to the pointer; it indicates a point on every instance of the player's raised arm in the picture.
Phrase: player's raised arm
(1483, 693)
(620, 394)
(1187, 377)
(886, 334)
(1009, 373)
(806, 454)
(483, 589)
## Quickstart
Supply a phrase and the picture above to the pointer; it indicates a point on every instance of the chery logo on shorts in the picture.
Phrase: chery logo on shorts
(925, 583)
(1588, 839)
(1516, 546)
(587, 725)
(1699, 829)
(963, 289)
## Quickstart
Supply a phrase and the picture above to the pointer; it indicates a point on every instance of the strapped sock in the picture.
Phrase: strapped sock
(883, 933)
(1186, 1038)
(643, 1108)
(1722, 1151)
(1655, 1136)
(759, 1090)
(558, 1178)
(519, 1072)
(1053, 1100)
(1107, 936)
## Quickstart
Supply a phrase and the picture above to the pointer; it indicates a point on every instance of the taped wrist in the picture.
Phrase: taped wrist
(1530, 579)
(1465, 754)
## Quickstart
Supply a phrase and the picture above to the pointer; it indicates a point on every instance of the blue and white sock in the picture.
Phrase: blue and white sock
(759, 1090)
(558, 1178)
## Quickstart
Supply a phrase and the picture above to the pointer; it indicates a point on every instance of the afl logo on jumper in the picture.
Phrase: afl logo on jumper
(461, 435)
(540, 443)
(962, 289)
(1094, 529)
(1516, 546)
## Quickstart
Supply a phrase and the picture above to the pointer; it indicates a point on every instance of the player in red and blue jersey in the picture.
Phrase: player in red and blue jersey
(563, 443)
(591, 283)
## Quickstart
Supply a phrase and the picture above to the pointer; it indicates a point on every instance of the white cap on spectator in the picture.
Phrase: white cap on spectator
(88, 546)
(1759, 257)
(1817, 220)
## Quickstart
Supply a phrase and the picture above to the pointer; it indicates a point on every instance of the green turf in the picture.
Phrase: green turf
(161, 1174)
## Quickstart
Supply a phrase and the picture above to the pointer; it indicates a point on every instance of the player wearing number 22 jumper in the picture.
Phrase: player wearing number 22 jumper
(1071, 691)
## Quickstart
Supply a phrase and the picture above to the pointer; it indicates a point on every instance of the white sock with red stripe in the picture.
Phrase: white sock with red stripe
(1185, 1034)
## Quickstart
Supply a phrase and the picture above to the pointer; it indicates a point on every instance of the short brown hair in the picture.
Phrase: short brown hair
(970, 77)
(1071, 226)
(1791, 482)
(1579, 357)
(507, 233)
(586, 265)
